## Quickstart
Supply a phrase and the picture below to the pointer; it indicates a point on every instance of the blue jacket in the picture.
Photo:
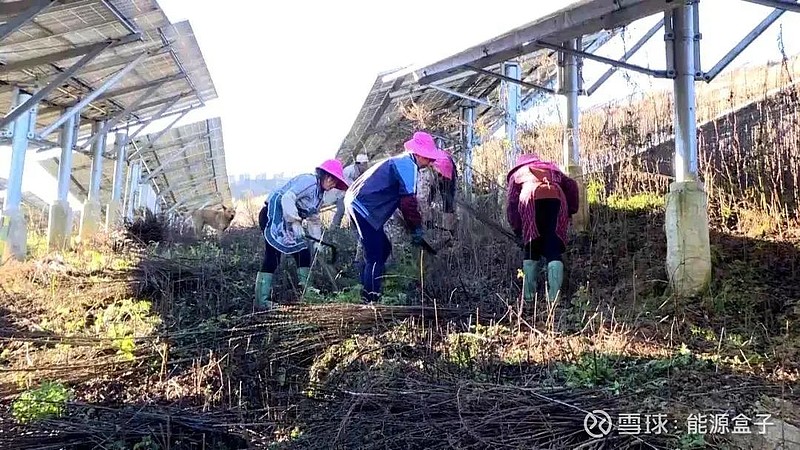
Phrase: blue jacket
(384, 187)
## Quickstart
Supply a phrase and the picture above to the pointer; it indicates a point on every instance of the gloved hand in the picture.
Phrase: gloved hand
(417, 236)
(319, 248)
(297, 230)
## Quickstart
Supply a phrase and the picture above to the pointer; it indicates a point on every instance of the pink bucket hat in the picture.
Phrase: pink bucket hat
(444, 165)
(422, 144)
(521, 161)
(334, 168)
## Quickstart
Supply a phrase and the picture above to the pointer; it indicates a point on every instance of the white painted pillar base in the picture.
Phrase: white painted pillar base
(580, 221)
(13, 235)
(688, 245)
(113, 217)
(90, 219)
(59, 225)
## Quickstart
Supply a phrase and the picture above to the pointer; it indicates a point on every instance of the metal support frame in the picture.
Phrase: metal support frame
(778, 4)
(120, 143)
(685, 115)
(628, 54)
(698, 67)
(58, 81)
(55, 57)
(97, 162)
(602, 59)
(118, 116)
(36, 7)
(460, 95)
(500, 76)
(97, 92)
(511, 69)
(68, 135)
(22, 131)
(742, 45)
(177, 155)
(570, 88)
(155, 117)
(468, 135)
(151, 145)
(179, 113)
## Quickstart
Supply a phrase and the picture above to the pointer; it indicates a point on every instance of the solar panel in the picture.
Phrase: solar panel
(381, 126)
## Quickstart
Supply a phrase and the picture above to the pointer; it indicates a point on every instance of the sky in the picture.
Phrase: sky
(292, 78)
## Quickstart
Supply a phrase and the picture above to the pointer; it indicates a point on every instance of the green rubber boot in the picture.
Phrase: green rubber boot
(303, 276)
(555, 276)
(530, 270)
(263, 286)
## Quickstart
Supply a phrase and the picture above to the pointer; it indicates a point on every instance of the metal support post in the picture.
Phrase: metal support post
(113, 208)
(68, 137)
(97, 161)
(90, 219)
(60, 219)
(697, 36)
(468, 134)
(669, 43)
(13, 229)
(685, 117)
(512, 95)
(570, 89)
(686, 216)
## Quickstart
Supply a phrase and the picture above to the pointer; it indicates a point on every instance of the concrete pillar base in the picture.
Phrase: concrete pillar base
(13, 235)
(90, 219)
(688, 245)
(59, 225)
(113, 217)
(580, 221)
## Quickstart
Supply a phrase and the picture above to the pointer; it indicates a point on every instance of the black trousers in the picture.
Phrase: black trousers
(272, 257)
(547, 244)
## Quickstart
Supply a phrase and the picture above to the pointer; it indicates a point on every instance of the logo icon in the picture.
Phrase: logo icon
(597, 423)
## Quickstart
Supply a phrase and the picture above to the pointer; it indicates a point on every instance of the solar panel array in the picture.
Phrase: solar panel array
(382, 126)
(170, 79)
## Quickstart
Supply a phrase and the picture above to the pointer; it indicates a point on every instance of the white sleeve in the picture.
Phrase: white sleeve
(290, 213)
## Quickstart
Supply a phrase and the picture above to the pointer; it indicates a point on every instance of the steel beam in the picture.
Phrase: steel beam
(180, 113)
(743, 44)
(68, 135)
(24, 17)
(58, 81)
(151, 144)
(460, 95)
(603, 59)
(118, 116)
(500, 76)
(511, 69)
(582, 18)
(685, 116)
(97, 92)
(155, 117)
(778, 4)
(21, 132)
(628, 54)
(468, 135)
(52, 58)
(121, 17)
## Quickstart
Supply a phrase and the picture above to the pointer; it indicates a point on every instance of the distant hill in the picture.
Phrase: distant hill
(259, 185)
